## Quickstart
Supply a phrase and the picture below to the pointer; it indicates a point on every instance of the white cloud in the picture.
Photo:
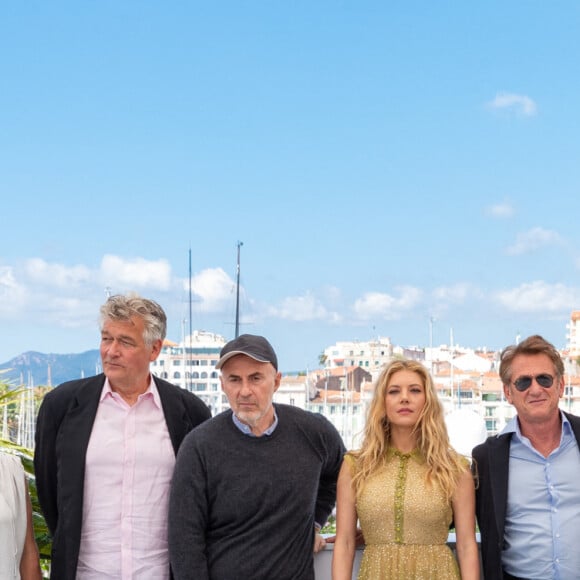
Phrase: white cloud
(302, 308)
(49, 295)
(539, 297)
(214, 289)
(456, 294)
(386, 306)
(137, 273)
(532, 240)
(41, 272)
(520, 104)
(13, 295)
(500, 210)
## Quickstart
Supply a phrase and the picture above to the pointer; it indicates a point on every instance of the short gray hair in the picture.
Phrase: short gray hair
(124, 307)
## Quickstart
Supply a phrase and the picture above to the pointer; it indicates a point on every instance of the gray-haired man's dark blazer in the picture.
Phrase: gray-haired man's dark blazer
(63, 429)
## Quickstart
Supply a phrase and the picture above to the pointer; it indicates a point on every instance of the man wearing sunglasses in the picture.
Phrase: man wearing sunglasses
(528, 492)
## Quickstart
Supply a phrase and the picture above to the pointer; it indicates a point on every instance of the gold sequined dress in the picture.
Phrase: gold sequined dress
(405, 523)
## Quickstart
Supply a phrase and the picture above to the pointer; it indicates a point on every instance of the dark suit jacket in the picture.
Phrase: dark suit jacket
(491, 464)
(64, 425)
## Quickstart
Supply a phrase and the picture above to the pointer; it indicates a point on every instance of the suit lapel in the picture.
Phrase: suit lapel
(73, 439)
(498, 450)
(178, 423)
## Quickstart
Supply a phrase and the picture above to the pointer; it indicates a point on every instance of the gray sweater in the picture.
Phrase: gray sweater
(243, 508)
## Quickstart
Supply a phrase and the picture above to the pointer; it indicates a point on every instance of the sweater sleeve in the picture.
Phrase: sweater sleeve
(334, 453)
(188, 514)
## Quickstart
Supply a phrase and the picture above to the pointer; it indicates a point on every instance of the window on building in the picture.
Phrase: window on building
(176, 375)
(204, 375)
(176, 362)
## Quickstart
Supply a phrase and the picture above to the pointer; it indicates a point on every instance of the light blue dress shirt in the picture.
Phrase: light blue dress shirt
(247, 430)
(542, 525)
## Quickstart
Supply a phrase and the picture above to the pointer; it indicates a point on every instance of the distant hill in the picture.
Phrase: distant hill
(63, 367)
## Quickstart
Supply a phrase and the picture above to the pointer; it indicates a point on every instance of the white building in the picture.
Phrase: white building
(573, 334)
(191, 365)
(293, 390)
(370, 355)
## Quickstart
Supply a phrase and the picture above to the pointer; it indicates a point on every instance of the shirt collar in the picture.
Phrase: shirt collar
(150, 393)
(247, 430)
(513, 426)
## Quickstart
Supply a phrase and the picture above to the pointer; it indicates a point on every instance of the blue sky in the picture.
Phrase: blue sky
(382, 163)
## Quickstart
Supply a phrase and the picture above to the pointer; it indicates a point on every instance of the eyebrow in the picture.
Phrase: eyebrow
(236, 376)
(105, 333)
(395, 385)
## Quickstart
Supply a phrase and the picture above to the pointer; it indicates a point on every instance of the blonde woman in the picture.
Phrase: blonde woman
(405, 486)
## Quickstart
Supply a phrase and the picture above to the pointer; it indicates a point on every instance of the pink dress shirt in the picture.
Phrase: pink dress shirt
(129, 465)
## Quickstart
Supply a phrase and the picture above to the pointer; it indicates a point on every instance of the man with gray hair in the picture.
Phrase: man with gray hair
(105, 452)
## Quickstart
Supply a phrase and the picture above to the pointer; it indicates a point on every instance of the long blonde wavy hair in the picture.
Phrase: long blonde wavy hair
(444, 465)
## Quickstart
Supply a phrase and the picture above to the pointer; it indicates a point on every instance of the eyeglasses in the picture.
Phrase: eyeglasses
(524, 383)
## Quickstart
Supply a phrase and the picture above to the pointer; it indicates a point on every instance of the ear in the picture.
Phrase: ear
(507, 393)
(277, 381)
(156, 349)
(561, 387)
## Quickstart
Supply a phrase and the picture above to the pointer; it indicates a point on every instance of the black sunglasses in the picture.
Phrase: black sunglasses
(543, 380)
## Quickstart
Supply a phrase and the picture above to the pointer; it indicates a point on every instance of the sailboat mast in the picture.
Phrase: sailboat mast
(190, 330)
(237, 327)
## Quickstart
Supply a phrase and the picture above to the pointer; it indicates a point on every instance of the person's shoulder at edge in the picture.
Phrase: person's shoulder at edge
(291, 411)
(311, 423)
(11, 461)
(571, 417)
(69, 388)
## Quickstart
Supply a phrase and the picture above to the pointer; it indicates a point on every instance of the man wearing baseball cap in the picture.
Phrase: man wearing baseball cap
(253, 485)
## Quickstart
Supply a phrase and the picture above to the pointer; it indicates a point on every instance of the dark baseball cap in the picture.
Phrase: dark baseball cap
(252, 345)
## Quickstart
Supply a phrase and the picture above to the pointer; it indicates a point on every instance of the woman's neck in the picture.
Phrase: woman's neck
(404, 440)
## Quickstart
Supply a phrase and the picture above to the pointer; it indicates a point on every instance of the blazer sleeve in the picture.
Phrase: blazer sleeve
(45, 462)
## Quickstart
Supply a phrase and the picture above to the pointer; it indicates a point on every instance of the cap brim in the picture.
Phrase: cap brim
(224, 359)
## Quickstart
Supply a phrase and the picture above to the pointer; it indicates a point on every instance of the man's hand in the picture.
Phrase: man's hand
(359, 539)
(319, 542)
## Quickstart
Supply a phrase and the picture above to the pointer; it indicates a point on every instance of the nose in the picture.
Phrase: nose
(113, 348)
(245, 390)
